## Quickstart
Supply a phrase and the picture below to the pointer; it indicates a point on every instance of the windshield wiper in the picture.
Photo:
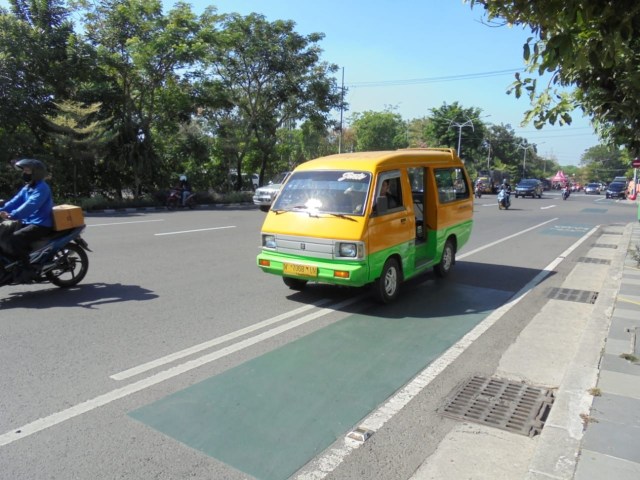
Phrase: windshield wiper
(342, 215)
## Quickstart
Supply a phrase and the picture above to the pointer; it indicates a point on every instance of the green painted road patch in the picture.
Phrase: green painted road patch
(569, 230)
(269, 416)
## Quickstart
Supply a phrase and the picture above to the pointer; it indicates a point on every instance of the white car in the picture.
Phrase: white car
(263, 196)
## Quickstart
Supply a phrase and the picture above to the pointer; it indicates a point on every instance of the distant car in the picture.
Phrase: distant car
(616, 190)
(529, 186)
(592, 189)
(264, 196)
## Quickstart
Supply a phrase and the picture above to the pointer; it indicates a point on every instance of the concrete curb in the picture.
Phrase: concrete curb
(163, 209)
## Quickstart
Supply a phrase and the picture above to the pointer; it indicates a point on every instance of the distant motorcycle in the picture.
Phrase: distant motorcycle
(504, 199)
(478, 191)
(174, 200)
(60, 258)
(565, 193)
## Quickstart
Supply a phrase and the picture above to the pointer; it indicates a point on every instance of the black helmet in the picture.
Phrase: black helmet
(38, 168)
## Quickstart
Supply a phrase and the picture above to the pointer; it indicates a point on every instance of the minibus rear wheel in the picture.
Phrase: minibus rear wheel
(447, 261)
(387, 287)
(294, 283)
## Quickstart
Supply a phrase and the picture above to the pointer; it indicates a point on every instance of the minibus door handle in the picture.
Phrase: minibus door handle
(403, 220)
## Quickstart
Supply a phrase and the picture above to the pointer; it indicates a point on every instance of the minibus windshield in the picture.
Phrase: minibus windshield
(325, 191)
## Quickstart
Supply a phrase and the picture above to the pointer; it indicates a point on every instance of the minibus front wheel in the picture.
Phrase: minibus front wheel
(294, 283)
(448, 259)
(387, 287)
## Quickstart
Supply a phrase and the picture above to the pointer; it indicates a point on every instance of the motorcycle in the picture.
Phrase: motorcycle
(565, 193)
(478, 191)
(504, 199)
(60, 258)
(174, 200)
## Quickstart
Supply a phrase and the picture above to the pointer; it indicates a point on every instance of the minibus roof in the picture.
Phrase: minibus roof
(373, 161)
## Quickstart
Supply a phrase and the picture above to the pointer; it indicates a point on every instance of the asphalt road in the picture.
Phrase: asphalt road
(174, 310)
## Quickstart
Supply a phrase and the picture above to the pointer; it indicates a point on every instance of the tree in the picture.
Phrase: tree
(270, 76)
(591, 51)
(78, 140)
(379, 131)
(602, 163)
(453, 124)
(140, 53)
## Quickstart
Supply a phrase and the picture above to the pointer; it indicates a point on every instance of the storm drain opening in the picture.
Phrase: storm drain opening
(611, 233)
(599, 261)
(495, 402)
(604, 245)
(572, 295)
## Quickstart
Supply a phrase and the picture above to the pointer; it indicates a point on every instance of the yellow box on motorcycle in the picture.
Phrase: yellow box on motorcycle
(66, 217)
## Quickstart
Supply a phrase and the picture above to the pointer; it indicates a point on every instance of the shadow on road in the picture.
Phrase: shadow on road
(84, 296)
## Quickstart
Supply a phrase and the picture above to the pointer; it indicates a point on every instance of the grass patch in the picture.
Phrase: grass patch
(630, 357)
(595, 391)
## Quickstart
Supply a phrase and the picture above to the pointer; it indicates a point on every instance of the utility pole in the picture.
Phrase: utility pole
(341, 110)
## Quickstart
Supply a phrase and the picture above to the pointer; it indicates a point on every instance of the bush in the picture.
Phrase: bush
(157, 199)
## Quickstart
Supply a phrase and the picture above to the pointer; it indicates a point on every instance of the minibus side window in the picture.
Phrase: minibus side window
(389, 187)
(452, 184)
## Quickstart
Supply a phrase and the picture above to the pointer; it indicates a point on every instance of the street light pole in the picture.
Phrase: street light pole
(524, 147)
(460, 127)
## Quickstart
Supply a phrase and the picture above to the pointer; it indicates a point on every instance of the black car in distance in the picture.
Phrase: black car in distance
(616, 190)
(529, 186)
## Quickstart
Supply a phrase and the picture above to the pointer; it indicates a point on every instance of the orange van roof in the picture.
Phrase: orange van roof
(373, 161)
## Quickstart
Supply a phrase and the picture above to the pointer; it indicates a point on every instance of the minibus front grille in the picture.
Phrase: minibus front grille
(305, 246)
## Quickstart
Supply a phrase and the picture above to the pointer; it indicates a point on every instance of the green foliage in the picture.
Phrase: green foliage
(379, 131)
(590, 47)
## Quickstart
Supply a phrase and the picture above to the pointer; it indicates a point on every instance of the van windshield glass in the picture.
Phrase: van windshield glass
(326, 191)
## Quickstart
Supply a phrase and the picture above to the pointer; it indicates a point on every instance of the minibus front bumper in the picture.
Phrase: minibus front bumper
(348, 273)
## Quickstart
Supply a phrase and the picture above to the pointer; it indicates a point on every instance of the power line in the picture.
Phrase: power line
(448, 78)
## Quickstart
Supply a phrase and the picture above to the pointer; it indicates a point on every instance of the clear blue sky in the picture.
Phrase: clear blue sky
(395, 53)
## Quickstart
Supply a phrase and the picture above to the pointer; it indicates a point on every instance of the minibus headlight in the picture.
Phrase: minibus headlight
(348, 250)
(269, 241)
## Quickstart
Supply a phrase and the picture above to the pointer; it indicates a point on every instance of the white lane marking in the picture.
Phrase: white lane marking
(124, 223)
(191, 231)
(489, 245)
(545, 208)
(210, 343)
(489, 204)
(328, 462)
(101, 400)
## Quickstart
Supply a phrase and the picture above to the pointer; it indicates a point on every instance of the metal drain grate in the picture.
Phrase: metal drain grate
(499, 403)
(572, 295)
(611, 233)
(599, 261)
(604, 245)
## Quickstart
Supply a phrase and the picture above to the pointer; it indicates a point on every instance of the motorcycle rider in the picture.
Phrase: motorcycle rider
(507, 191)
(28, 216)
(184, 188)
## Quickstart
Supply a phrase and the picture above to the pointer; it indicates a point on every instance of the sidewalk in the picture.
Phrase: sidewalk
(611, 443)
(593, 428)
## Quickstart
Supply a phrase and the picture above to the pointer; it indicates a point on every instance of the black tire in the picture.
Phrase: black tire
(264, 208)
(72, 263)
(191, 203)
(172, 203)
(447, 261)
(294, 283)
(387, 287)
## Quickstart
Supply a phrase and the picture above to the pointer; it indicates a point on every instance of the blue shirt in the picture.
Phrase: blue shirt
(33, 205)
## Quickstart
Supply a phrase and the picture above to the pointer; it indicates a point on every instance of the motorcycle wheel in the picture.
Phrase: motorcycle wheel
(172, 203)
(71, 265)
(191, 203)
